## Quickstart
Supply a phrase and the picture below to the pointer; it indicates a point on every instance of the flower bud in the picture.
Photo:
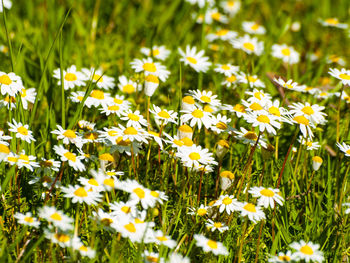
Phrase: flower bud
(185, 131)
(222, 148)
(151, 84)
(316, 162)
(187, 103)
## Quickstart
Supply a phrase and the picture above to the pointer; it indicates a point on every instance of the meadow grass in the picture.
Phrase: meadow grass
(41, 36)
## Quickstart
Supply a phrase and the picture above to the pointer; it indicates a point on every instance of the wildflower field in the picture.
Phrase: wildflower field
(174, 131)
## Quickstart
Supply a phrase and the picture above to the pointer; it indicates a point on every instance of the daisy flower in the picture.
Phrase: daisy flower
(105, 219)
(22, 131)
(344, 148)
(250, 137)
(27, 161)
(252, 81)
(83, 250)
(71, 77)
(283, 257)
(201, 3)
(231, 6)
(231, 80)
(56, 217)
(266, 196)
(120, 101)
(60, 238)
(163, 116)
(251, 27)
(307, 251)
(305, 125)
(112, 109)
(197, 116)
(343, 75)
(151, 257)
(132, 134)
(263, 120)
(311, 112)
(258, 96)
(127, 85)
(226, 69)
(310, 145)
(210, 224)
(150, 68)
(253, 212)
(227, 203)
(205, 97)
(68, 136)
(336, 59)
(77, 97)
(222, 34)
(81, 194)
(161, 239)
(138, 193)
(209, 245)
(10, 83)
(73, 160)
(134, 119)
(332, 22)
(286, 53)
(97, 98)
(248, 45)
(101, 80)
(288, 84)
(27, 96)
(4, 151)
(4, 138)
(177, 258)
(202, 210)
(122, 209)
(27, 219)
(196, 60)
(158, 52)
(195, 155)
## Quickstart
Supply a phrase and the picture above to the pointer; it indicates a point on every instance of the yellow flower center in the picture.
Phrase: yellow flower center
(80, 98)
(191, 60)
(216, 16)
(83, 248)
(164, 114)
(255, 27)
(4, 79)
(56, 216)
(92, 181)
(222, 32)
(267, 192)
(198, 114)
(117, 101)
(251, 136)
(263, 119)
(24, 158)
(70, 134)
(212, 244)
(70, 156)
(22, 130)
(112, 133)
(98, 78)
(81, 192)
(106, 221)
(306, 250)
(130, 227)
(4, 149)
(133, 117)
(152, 259)
(122, 142)
(332, 21)
(258, 95)
(318, 159)
(29, 219)
(308, 110)
(139, 192)
(225, 67)
(154, 194)
(301, 120)
(348, 151)
(130, 131)
(201, 212)
(227, 201)
(155, 52)
(249, 46)
(128, 88)
(255, 106)
(185, 128)
(152, 78)
(113, 108)
(217, 224)
(239, 108)
(23, 93)
(188, 100)
(106, 157)
(187, 141)
(222, 126)
(12, 159)
(285, 52)
(231, 78)
(150, 67)
(97, 94)
(284, 258)
(274, 111)
(70, 77)
(194, 156)
(206, 99)
(126, 209)
(62, 237)
(178, 142)
(162, 238)
(207, 108)
(109, 182)
(344, 76)
(252, 79)
(250, 207)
